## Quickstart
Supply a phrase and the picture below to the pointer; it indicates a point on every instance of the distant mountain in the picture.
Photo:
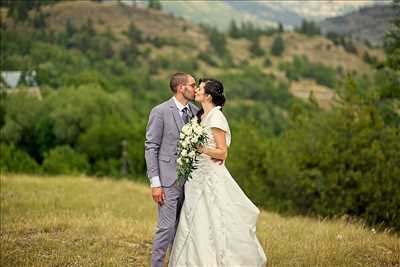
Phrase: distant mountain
(369, 23)
(319, 10)
(262, 13)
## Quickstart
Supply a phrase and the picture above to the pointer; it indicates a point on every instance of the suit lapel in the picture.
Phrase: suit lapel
(175, 114)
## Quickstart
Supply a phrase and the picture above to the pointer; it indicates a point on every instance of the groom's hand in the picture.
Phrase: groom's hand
(158, 194)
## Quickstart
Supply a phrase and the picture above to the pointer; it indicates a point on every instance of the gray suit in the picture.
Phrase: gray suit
(162, 135)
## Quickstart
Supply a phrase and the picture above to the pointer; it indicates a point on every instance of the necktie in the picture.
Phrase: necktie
(185, 115)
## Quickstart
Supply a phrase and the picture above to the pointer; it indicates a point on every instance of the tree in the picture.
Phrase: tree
(23, 111)
(130, 54)
(280, 27)
(70, 28)
(218, 42)
(255, 48)
(89, 28)
(278, 46)
(134, 34)
(234, 31)
(392, 39)
(19, 10)
(309, 28)
(155, 4)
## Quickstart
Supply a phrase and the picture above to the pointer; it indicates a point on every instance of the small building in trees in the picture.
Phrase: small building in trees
(10, 80)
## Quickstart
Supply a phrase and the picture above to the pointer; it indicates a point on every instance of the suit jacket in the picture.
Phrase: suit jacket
(162, 136)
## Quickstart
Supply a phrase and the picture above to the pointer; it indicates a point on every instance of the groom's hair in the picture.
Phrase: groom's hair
(177, 79)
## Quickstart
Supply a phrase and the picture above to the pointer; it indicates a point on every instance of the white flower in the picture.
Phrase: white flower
(186, 129)
(198, 129)
(184, 144)
(183, 152)
(339, 237)
(373, 231)
(187, 139)
(191, 136)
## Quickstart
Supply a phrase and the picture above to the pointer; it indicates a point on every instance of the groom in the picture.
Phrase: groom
(162, 135)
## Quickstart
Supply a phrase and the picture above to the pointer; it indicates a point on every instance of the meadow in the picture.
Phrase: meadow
(86, 221)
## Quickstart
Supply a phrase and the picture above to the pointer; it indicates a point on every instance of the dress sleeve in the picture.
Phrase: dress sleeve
(218, 120)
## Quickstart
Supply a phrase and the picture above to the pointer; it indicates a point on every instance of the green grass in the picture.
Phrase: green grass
(83, 221)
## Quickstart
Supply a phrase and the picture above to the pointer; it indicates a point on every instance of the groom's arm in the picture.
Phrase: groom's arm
(154, 133)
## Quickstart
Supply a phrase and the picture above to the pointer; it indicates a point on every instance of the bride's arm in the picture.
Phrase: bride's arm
(221, 150)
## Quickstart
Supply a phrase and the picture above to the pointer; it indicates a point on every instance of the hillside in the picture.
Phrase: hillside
(369, 23)
(263, 13)
(186, 41)
(82, 221)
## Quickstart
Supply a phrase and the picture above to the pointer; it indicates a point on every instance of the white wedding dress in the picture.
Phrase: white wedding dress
(217, 225)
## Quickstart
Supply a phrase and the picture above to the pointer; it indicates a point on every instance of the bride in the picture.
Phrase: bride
(217, 225)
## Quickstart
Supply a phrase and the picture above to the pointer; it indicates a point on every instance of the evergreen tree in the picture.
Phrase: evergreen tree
(278, 46)
(280, 27)
(218, 42)
(309, 28)
(234, 31)
(255, 48)
(392, 39)
(155, 4)
(70, 28)
(134, 34)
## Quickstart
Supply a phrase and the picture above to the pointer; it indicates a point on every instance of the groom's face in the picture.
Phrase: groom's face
(189, 88)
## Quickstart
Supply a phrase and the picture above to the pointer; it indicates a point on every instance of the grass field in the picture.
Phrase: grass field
(83, 221)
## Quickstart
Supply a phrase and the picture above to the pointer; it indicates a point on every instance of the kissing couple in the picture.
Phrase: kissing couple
(208, 221)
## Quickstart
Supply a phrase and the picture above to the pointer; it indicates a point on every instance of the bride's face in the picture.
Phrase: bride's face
(201, 95)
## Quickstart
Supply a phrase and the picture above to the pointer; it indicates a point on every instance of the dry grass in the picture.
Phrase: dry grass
(323, 94)
(81, 221)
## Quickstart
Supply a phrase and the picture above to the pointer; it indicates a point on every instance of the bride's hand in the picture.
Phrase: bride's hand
(201, 149)
(219, 161)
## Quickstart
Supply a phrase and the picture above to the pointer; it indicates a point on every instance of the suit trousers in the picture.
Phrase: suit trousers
(168, 219)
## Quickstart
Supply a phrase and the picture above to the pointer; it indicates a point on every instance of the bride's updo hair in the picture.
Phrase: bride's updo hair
(214, 88)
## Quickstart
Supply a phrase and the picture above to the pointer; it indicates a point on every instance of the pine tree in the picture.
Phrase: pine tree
(278, 46)
(392, 39)
(280, 27)
(255, 48)
(155, 4)
(234, 31)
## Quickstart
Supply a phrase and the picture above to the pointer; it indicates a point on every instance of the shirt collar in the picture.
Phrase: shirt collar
(179, 105)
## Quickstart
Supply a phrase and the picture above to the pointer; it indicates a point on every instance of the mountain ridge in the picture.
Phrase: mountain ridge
(368, 23)
(261, 13)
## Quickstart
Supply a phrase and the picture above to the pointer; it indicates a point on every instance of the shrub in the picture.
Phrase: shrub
(267, 62)
(367, 58)
(15, 160)
(207, 58)
(301, 67)
(64, 160)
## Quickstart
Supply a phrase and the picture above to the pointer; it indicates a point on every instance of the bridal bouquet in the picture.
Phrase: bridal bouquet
(191, 136)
